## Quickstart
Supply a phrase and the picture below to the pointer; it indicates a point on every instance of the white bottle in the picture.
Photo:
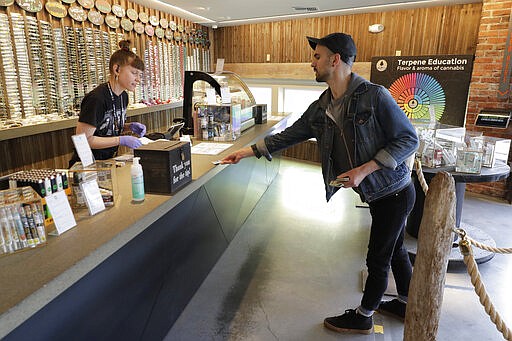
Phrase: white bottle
(137, 181)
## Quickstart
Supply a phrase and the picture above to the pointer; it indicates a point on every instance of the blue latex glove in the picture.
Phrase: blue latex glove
(138, 128)
(129, 141)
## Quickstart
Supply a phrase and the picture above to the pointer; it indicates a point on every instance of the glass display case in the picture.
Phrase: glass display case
(495, 150)
(101, 171)
(469, 160)
(438, 144)
(469, 154)
(221, 101)
(21, 220)
(219, 122)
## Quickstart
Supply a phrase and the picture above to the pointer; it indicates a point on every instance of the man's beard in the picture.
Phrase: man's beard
(320, 77)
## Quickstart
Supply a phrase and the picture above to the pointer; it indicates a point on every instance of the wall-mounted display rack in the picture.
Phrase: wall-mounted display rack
(52, 54)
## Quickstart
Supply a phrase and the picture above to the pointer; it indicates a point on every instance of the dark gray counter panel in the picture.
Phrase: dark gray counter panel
(139, 291)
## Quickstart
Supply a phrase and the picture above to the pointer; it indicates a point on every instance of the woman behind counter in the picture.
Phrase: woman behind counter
(103, 110)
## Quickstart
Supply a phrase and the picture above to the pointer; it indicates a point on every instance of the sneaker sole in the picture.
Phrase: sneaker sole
(387, 313)
(345, 330)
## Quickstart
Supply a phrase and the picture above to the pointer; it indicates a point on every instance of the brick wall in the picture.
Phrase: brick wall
(483, 91)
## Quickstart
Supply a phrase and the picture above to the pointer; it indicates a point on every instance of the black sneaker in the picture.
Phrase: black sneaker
(393, 308)
(350, 322)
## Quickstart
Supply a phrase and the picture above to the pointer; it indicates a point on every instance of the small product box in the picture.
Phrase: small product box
(495, 150)
(101, 171)
(167, 166)
(469, 160)
(218, 122)
(260, 113)
(21, 220)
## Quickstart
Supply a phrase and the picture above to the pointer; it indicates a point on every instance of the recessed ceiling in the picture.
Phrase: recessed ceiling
(240, 12)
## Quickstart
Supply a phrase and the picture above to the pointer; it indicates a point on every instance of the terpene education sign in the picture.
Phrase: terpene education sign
(424, 86)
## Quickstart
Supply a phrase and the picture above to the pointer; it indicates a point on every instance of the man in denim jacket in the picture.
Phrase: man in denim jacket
(364, 139)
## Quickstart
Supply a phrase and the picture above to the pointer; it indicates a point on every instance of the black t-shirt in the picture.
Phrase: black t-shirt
(106, 111)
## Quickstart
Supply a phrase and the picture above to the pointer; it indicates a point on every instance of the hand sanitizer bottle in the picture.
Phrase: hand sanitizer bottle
(137, 181)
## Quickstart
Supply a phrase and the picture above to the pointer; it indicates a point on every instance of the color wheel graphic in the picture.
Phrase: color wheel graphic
(415, 93)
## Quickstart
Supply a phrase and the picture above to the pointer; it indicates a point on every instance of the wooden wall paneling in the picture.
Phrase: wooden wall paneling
(398, 34)
(234, 38)
(258, 53)
(267, 43)
(307, 151)
(420, 32)
(240, 43)
(276, 39)
(350, 24)
(448, 19)
(247, 46)
(413, 37)
(220, 36)
(7, 157)
(410, 36)
(286, 41)
(215, 46)
(433, 30)
(290, 44)
(465, 31)
(298, 26)
(226, 42)
(375, 39)
(211, 37)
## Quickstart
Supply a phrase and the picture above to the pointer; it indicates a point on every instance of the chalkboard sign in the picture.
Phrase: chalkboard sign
(493, 118)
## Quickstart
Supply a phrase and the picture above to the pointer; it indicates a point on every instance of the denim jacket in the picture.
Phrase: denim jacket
(381, 129)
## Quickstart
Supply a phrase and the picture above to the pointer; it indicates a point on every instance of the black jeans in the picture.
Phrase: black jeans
(385, 247)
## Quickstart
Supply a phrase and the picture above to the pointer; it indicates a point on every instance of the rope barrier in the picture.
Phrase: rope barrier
(469, 260)
(490, 248)
(472, 268)
(421, 177)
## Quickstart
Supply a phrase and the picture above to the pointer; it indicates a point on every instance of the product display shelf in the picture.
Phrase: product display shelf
(11, 133)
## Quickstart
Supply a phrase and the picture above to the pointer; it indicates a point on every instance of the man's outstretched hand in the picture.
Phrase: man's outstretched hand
(235, 157)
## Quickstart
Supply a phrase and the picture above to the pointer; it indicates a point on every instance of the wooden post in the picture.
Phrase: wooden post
(434, 243)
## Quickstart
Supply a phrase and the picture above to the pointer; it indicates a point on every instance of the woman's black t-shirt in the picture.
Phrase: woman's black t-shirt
(106, 111)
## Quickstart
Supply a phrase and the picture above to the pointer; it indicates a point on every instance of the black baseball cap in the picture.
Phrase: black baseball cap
(338, 43)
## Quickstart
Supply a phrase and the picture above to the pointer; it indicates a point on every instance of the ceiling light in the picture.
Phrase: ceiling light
(306, 9)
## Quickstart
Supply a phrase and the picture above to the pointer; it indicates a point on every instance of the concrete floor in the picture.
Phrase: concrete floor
(298, 259)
